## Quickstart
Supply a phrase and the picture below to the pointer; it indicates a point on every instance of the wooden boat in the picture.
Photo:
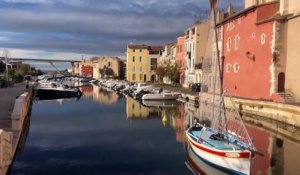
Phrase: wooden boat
(224, 152)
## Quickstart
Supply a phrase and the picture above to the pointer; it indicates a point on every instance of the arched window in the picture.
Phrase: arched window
(236, 67)
(263, 37)
(236, 42)
(228, 44)
(228, 67)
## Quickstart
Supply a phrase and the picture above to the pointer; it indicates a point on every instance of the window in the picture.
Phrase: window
(132, 106)
(236, 67)
(133, 69)
(109, 64)
(140, 58)
(228, 44)
(263, 38)
(236, 42)
(141, 69)
(239, 20)
(133, 50)
(133, 77)
(133, 59)
(141, 77)
(228, 67)
(141, 50)
(253, 35)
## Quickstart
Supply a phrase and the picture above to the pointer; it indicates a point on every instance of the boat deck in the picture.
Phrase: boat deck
(217, 144)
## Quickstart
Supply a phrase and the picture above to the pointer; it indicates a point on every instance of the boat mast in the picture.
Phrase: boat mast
(219, 65)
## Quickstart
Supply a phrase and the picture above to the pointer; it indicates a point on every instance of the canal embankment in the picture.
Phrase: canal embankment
(285, 115)
(15, 105)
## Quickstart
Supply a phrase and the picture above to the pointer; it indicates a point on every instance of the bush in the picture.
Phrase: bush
(18, 77)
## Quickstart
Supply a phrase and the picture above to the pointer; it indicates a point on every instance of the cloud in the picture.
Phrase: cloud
(97, 27)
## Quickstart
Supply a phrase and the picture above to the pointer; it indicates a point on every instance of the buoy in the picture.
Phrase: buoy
(165, 120)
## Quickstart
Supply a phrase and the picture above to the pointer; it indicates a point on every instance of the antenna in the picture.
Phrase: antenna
(6, 56)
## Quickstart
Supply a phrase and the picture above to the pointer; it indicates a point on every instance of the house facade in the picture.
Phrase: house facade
(102, 64)
(142, 62)
(248, 50)
(180, 58)
(195, 43)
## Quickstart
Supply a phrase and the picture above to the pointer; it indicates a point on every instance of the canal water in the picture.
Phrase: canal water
(105, 133)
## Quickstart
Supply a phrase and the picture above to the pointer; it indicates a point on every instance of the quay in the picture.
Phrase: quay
(280, 114)
(15, 106)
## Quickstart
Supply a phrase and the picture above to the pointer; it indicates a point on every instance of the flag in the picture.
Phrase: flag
(213, 4)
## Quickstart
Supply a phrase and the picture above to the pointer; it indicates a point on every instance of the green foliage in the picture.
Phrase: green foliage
(106, 71)
(171, 71)
(160, 72)
(24, 69)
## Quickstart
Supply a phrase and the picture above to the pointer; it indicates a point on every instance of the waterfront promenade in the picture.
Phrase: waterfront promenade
(7, 102)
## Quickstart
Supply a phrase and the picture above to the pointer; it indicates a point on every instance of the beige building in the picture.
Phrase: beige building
(195, 44)
(287, 55)
(102, 64)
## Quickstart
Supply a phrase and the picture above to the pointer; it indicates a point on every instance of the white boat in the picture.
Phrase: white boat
(221, 151)
(164, 95)
(56, 90)
(161, 103)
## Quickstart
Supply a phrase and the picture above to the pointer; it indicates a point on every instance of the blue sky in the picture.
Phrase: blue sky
(70, 28)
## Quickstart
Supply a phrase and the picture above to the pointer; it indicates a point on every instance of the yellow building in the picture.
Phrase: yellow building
(142, 62)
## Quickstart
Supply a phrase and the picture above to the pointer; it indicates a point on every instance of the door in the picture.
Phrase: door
(281, 82)
(145, 78)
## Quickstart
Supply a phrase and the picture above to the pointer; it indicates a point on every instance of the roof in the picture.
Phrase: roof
(252, 8)
(156, 48)
(137, 46)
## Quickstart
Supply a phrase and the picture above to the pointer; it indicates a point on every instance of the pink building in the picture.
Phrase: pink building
(248, 51)
(180, 58)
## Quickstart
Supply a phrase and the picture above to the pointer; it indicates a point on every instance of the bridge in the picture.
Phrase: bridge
(51, 61)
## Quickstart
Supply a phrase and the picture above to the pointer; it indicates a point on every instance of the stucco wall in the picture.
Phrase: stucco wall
(293, 57)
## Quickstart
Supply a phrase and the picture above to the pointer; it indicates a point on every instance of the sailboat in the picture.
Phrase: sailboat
(225, 144)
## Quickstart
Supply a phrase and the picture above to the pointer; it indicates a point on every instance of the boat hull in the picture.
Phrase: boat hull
(227, 161)
(55, 94)
(168, 96)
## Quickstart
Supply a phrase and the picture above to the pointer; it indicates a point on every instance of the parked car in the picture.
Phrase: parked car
(196, 87)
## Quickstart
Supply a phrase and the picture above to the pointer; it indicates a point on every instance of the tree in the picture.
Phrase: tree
(24, 69)
(106, 71)
(2, 67)
(160, 72)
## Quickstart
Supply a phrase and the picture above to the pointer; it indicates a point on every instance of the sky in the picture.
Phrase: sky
(70, 29)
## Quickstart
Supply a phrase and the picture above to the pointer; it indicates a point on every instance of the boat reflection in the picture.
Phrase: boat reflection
(198, 166)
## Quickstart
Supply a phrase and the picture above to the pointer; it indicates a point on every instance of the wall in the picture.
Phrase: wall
(252, 77)
(180, 58)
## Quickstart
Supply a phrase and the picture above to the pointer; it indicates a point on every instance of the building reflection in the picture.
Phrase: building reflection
(87, 90)
(135, 110)
(104, 96)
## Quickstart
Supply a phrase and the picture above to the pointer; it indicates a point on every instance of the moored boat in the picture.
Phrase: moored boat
(221, 151)
(57, 91)
(164, 95)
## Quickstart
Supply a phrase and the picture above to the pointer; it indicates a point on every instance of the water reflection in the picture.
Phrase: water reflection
(84, 136)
